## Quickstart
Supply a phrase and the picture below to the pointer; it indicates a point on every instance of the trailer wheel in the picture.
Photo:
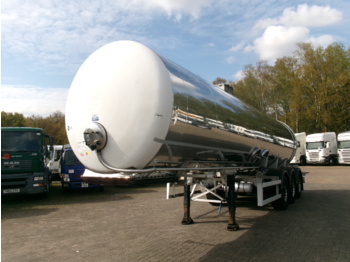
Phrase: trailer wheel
(282, 203)
(299, 186)
(292, 190)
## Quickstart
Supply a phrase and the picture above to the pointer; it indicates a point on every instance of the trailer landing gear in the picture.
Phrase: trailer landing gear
(187, 220)
(231, 201)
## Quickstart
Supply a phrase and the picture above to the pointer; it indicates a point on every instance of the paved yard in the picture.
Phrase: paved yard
(139, 224)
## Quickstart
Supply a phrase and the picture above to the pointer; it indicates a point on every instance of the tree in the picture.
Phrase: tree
(325, 86)
(310, 90)
(12, 119)
(219, 80)
(256, 87)
(57, 127)
(285, 80)
(53, 125)
(337, 81)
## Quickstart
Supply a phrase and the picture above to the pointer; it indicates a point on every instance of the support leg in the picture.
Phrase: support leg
(231, 199)
(187, 220)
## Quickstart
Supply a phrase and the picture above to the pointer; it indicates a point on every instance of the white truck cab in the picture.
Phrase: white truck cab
(300, 154)
(344, 148)
(55, 160)
(321, 148)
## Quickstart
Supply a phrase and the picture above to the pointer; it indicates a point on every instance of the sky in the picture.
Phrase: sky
(44, 42)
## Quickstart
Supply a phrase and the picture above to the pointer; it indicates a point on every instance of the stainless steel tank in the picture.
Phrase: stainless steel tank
(136, 110)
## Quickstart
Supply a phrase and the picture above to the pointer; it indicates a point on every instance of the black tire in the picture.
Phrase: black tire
(332, 161)
(65, 189)
(101, 189)
(299, 186)
(46, 193)
(282, 203)
(292, 190)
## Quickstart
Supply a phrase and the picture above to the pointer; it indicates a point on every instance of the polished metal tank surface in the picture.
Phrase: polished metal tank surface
(207, 122)
(156, 113)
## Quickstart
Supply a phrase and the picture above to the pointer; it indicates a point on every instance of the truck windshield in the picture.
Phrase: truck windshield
(343, 144)
(70, 159)
(21, 141)
(315, 145)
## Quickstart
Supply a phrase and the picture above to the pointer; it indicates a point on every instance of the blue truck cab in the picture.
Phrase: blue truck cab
(71, 172)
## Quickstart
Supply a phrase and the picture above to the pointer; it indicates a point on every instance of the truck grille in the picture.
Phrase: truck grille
(346, 156)
(16, 165)
(15, 180)
(313, 155)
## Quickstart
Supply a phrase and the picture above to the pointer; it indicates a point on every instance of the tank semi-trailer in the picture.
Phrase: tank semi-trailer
(144, 114)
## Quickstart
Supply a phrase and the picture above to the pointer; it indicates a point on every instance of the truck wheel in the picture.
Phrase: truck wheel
(47, 191)
(65, 189)
(332, 161)
(282, 203)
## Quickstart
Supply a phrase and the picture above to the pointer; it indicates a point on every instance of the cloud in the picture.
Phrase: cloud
(294, 25)
(304, 15)
(278, 41)
(177, 8)
(29, 100)
(58, 33)
(322, 40)
(230, 59)
(310, 16)
(239, 75)
(237, 47)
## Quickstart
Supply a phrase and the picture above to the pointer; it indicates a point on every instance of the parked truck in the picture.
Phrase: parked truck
(344, 148)
(321, 148)
(54, 163)
(300, 153)
(23, 168)
(72, 171)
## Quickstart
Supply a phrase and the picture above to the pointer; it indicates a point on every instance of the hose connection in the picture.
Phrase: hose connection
(95, 136)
